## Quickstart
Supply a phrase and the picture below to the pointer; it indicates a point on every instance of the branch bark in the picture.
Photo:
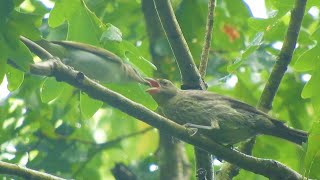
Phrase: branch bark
(268, 168)
(26, 173)
(274, 80)
(284, 57)
(207, 38)
(172, 158)
(190, 75)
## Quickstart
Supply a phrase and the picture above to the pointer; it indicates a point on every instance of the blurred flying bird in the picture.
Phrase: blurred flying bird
(95, 62)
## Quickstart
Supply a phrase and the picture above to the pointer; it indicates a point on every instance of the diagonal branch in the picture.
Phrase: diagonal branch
(268, 168)
(278, 71)
(190, 75)
(284, 56)
(26, 173)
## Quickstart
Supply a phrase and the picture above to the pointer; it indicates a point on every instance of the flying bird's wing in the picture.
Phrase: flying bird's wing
(90, 48)
(95, 62)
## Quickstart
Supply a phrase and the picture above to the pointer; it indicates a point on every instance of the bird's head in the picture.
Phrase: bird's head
(161, 90)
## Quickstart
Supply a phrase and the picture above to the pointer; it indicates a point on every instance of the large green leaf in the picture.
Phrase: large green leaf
(312, 86)
(254, 45)
(308, 60)
(18, 24)
(80, 21)
(311, 161)
(15, 78)
(135, 92)
(88, 105)
(51, 89)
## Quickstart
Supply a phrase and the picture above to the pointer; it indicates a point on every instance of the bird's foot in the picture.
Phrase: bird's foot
(201, 173)
(191, 130)
(190, 125)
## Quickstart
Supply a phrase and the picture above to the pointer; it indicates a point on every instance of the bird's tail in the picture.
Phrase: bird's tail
(36, 48)
(282, 131)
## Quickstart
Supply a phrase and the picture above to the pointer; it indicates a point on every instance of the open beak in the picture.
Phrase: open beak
(155, 86)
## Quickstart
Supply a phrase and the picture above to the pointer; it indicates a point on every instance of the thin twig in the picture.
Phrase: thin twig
(207, 39)
(203, 159)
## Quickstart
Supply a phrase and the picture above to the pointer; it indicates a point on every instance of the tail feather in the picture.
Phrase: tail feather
(35, 48)
(290, 134)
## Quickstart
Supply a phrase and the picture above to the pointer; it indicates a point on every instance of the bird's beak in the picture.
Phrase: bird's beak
(155, 86)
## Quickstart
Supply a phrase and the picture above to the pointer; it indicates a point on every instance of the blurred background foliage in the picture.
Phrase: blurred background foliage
(51, 126)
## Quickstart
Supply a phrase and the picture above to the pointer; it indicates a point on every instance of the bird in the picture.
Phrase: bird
(95, 62)
(223, 119)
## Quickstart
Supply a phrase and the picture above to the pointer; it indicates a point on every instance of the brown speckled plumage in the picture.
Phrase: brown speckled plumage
(228, 121)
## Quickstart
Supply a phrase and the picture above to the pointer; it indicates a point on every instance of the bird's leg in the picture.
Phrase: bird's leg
(190, 125)
(194, 128)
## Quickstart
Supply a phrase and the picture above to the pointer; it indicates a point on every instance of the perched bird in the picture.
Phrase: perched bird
(221, 118)
(97, 63)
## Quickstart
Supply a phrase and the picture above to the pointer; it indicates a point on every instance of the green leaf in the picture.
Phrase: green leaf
(111, 34)
(88, 105)
(312, 86)
(18, 24)
(3, 67)
(80, 21)
(307, 61)
(283, 6)
(19, 54)
(25, 24)
(15, 78)
(312, 157)
(316, 102)
(135, 92)
(254, 45)
(6, 7)
(135, 57)
(260, 24)
(316, 35)
(313, 3)
(50, 90)
(3, 61)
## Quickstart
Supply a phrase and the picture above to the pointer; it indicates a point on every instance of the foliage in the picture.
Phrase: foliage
(51, 126)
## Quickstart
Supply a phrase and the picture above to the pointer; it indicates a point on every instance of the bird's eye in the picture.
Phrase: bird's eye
(165, 83)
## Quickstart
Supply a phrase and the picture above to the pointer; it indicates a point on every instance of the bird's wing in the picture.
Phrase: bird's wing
(89, 48)
(214, 97)
(36, 48)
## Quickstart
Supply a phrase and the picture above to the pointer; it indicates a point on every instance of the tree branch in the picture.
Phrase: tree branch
(278, 71)
(26, 173)
(204, 159)
(171, 157)
(207, 39)
(189, 73)
(284, 56)
(268, 168)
